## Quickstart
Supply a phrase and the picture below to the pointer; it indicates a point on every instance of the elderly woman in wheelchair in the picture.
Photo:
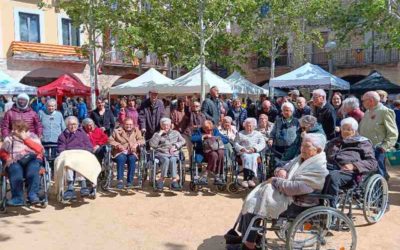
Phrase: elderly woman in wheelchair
(284, 192)
(249, 143)
(167, 143)
(349, 156)
(97, 137)
(22, 153)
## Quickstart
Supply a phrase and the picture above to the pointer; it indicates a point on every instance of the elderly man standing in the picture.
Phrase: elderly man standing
(150, 114)
(325, 113)
(378, 125)
(212, 106)
(268, 109)
(302, 108)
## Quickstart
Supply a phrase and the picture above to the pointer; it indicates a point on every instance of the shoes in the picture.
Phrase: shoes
(387, 177)
(203, 180)
(245, 184)
(15, 202)
(85, 191)
(69, 195)
(129, 185)
(218, 181)
(34, 199)
(175, 185)
(251, 183)
(159, 185)
(120, 185)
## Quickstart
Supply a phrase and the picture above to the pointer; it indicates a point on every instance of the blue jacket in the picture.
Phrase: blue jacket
(241, 115)
(53, 125)
(82, 111)
(197, 139)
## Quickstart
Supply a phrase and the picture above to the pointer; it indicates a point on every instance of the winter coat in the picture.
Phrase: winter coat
(129, 112)
(163, 143)
(97, 137)
(28, 115)
(53, 125)
(76, 140)
(356, 150)
(285, 132)
(211, 108)
(294, 150)
(197, 139)
(238, 117)
(82, 111)
(196, 120)
(121, 137)
(326, 116)
(150, 116)
(380, 127)
(107, 120)
(356, 114)
(298, 113)
(272, 113)
(180, 120)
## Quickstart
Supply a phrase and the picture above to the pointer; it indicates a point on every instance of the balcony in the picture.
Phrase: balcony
(46, 52)
(348, 58)
(122, 59)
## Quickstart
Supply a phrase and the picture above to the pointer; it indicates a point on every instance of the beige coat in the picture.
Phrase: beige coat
(379, 125)
(129, 143)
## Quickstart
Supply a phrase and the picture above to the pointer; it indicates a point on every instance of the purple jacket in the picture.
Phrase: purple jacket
(150, 116)
(129, 113)
(28, 115)
(77, 140)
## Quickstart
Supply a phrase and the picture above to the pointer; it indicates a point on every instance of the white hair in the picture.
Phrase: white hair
(252, 121)
(51, 101)
(317, 140)
(350, 121)
(87, 121)
(308, 120)
(288, 105)
(351, 102)
(71, 118)
(374, 95)
(228, 119)
(320, 92)
(165, 120)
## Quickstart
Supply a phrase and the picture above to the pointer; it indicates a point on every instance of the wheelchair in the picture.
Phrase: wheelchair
(317, 227)
(44, 186)
(195, 184)
(50, 152)
(265, 162)
(108, 169)
(368, 192)
(153, 166)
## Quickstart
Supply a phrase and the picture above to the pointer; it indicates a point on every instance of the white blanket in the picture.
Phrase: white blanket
(268, 202)
(80, 161)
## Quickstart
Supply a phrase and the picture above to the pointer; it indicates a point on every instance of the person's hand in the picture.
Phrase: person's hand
(143, 130)
(348, 167)
(120, 147)
(8, 163)
(21, 134)
(269, 181)
(162, 132)
(270, 142)
(96, 147)
(172, 149)
(281, 174)
(103, 128)
(381, 149)
(337, 129)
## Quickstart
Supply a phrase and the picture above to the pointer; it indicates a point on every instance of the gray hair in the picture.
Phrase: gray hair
(51, 101)
(319, 92)
(71, 118)
(317, 140)
(87, 121)
(228, 119)
(252, 121)
(165, 120)
(351, 102)
(350, 121)
(302, 99)
(374, 95)
(288, 105)
(308, 121)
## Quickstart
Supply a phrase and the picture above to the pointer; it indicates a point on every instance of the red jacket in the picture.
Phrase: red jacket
(28, 115)
(97, 137)
(356, 114)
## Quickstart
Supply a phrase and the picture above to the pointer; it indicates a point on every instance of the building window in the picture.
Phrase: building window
(29, 27)
(70, 34)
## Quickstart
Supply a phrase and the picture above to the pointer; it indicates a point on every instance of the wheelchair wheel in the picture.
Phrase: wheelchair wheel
(282, 232)
(375, 198)
(322, 228)
(233, 188)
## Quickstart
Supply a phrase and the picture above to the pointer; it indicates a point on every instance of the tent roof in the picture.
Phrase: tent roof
(64, 85)
(10, 86)
(307, 76)
(374, 81)
(277, 91)
(141, 85)
(190, 82)
(243, 86)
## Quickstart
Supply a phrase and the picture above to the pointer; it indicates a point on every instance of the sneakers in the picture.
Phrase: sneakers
(159, 185)
(175, 185)
(218, 181)
(120, 185)
(34, 199)
(129, 185)
(15, 202)
(251, 183)
(245, 184)
(69, 195)
(85, 191)
(203, 180)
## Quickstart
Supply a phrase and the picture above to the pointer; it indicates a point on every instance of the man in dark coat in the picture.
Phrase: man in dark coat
(268, 109)
(211, 106)
(302, 108)
(325, 113)
(150, 114)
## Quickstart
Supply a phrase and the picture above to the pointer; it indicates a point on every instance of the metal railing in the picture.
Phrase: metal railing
(119, 58)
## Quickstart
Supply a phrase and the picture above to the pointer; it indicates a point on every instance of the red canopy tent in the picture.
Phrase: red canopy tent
(64, 86)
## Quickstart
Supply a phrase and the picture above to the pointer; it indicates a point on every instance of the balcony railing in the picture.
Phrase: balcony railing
(122, 59)
(46, 52)
(356, 57)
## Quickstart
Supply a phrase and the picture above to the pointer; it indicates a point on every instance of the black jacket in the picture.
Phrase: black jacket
(107, 121)
(326, 116)
(272, 113)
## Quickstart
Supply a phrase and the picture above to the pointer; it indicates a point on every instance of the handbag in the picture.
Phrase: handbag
(212, 144)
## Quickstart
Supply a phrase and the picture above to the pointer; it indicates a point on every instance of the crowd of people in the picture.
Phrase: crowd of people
(344, 138)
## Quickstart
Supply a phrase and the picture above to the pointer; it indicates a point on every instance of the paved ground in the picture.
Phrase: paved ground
(143, 220)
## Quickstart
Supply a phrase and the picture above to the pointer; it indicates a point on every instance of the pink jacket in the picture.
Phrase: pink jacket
(28, 115)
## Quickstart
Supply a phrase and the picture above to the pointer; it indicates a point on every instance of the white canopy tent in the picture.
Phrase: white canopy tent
(141, 85)
(243, 86)
(309, 76)
(10, 86)
(190, 83)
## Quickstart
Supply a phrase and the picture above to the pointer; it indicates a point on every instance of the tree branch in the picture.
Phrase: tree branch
(392, 4)
(191, 30)
(216, 27)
